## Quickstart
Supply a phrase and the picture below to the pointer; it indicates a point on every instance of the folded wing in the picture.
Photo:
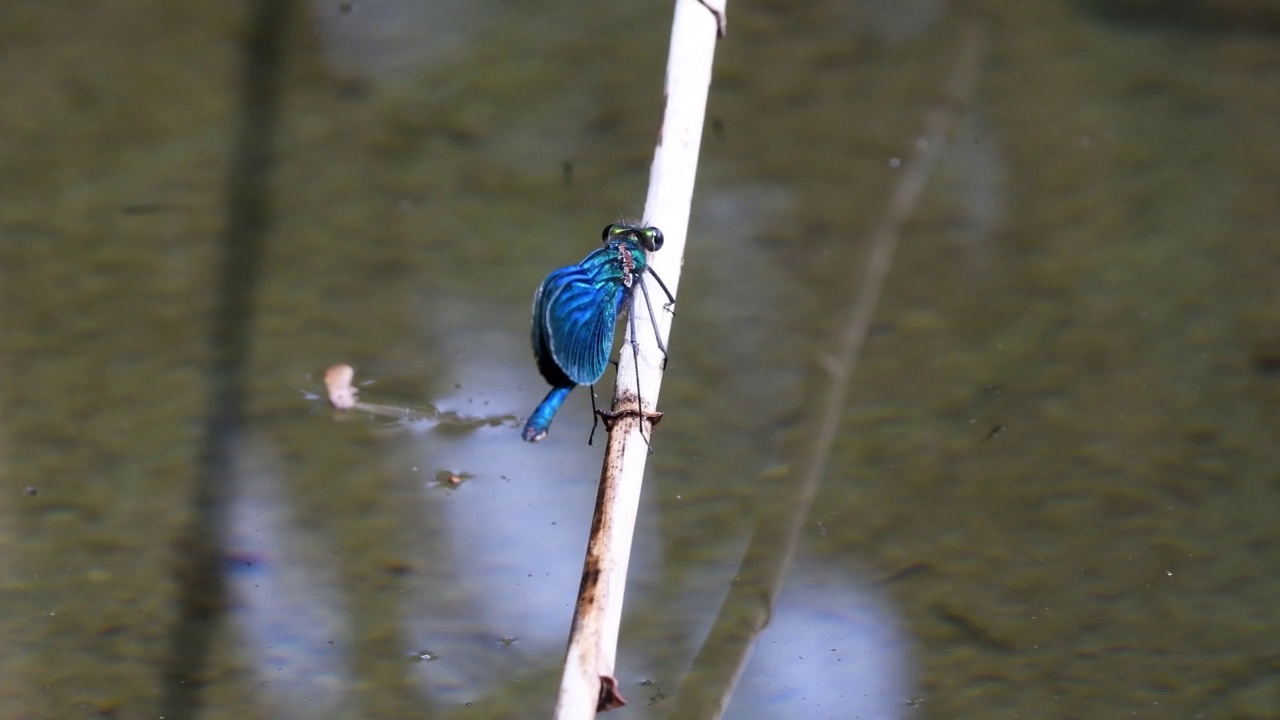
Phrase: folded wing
(574, 321)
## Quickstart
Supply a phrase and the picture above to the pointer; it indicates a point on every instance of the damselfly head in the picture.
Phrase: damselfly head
(649, 238)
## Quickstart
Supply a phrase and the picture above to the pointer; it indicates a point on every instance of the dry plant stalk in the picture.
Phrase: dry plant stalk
(745, 612)
(588, 685)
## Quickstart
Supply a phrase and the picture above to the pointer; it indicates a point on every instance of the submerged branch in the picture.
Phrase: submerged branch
(746, 610)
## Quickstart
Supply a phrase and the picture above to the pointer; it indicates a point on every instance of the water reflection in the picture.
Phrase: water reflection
(392, 38)
(502, 551)
(747, 281)
(287, 607)
(973, 175)
(897, 20)
(835, 649)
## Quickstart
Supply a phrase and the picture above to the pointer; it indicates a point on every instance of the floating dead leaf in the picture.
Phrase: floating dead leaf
(337, 381)
(452, 479)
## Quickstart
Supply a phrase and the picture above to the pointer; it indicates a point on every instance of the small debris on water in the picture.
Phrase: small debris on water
(337, 381)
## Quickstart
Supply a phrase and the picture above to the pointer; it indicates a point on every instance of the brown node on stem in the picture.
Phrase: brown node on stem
(611, 417)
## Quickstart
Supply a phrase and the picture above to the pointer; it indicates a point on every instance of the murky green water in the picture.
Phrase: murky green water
(1054, 488)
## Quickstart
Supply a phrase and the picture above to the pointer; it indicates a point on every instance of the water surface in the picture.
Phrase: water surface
(1055, 484)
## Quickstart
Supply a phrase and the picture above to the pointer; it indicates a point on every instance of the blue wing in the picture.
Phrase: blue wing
(574, 316)
(547, 365)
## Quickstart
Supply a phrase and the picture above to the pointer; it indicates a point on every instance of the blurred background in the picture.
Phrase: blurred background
(1056, 481)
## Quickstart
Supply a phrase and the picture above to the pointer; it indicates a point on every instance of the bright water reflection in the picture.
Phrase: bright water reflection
(835, 649)
(503, 549)
(287, 606)
(394, 39)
